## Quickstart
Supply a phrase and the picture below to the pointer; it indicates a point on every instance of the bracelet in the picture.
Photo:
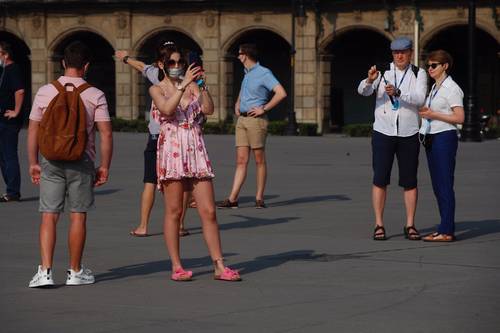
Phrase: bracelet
(125, 59)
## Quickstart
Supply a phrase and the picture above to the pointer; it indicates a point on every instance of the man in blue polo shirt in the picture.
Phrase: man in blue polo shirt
(251, 128)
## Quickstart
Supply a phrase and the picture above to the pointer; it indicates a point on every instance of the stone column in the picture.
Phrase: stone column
(305, 72)
(125, 87)
(211, 60)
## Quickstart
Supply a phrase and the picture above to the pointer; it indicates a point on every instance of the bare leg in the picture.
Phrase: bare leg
(242, 155)
(172, 198)
(204, 195)
(147, 201)
(379, 195)
(261, 170)
(76, 239)
(48, 238)
(410, 197)
(185, 202)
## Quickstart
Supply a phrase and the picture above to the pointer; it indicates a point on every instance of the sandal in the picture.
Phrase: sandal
(183, 232)
(379, 235)
(10, 198)
(181, 275)
(228, 275)
(411, 233)
(437, 237)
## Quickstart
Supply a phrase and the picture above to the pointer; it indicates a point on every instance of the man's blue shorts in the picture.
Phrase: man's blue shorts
(150, 160)
(406, 149)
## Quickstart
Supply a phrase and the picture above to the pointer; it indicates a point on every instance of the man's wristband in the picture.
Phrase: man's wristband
(125, 59)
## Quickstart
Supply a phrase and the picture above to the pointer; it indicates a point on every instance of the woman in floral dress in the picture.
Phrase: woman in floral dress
(183, 162)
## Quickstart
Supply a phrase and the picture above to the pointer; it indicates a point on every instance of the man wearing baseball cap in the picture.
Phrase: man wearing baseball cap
(400, 91)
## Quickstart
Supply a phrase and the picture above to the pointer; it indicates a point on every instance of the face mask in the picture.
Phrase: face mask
(175, 72)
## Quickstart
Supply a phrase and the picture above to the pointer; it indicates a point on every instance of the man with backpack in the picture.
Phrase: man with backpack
(62, 126)
(400, 91)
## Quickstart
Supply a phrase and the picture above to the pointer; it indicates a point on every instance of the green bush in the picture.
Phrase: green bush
(358, 130)
(276, 127)
(493, 133)
(308, 130)
(124, 125)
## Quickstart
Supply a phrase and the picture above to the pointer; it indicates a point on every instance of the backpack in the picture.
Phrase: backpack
(62, 135)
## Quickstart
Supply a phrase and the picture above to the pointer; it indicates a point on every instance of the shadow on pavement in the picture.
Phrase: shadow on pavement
(471, 229)
(265, 262)
(154, 267)
(338, 197)
(105, 192)
(249, 222)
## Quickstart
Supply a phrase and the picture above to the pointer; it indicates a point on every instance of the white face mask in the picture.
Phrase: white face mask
(175, 72)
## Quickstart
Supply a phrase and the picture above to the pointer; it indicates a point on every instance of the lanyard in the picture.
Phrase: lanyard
(396, 85)
(431, 96)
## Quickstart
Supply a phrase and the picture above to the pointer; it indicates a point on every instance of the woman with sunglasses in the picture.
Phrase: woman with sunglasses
(149, 179)
(183, 162)
(442, 111)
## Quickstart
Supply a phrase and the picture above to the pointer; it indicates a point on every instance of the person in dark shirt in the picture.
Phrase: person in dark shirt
(11, 100)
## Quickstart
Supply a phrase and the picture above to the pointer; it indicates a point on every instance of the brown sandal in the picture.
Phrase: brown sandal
(411, 233)
(379, 235)
(437, 237)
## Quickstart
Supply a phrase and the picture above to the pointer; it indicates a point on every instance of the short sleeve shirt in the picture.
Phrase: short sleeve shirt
(257, 84)
(11, 82)
(93, 99)
(448, 96)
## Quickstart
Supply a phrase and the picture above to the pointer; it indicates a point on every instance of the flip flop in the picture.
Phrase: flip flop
(228, 275)
(135, 234)
(180, 275)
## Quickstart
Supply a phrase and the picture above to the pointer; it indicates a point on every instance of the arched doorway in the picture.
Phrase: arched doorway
(101, 73)
(352, 53)
(146, 52)
(22, 58)
(453, 40)
(274, 53)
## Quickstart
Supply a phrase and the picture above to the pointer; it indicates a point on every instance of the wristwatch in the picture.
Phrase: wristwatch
(125, 59)
(180, 88)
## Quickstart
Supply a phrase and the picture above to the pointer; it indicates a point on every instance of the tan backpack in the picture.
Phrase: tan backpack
(62, 135)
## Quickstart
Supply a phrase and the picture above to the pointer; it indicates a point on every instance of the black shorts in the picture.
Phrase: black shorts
(406, 149)
(150, 160)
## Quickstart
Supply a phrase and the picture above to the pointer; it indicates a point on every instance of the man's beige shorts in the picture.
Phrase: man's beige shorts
(251, 132)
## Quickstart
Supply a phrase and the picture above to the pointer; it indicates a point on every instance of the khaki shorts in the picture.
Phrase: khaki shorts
(76, 179)
(251, 132)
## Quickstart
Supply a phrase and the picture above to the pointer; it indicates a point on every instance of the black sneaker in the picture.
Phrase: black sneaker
(10, 198)
(227, 204)
(259, 204)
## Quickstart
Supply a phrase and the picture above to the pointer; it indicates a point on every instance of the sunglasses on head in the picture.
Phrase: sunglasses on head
(171, 62)
(433, 65)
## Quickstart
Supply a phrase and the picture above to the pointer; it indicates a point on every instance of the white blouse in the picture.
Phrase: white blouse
(442, 100)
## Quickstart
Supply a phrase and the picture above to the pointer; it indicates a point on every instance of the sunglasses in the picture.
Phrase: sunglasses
(171, 63)
(433, 65)
(241, 53)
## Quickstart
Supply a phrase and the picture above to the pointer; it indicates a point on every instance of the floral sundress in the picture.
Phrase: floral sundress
(181, 151)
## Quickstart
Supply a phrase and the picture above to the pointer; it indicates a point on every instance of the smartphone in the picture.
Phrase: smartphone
(194, 58)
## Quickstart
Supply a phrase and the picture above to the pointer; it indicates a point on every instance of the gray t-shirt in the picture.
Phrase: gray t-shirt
(150, 72)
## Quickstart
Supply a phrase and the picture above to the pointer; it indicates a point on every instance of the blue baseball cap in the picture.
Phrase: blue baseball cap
(401, 43)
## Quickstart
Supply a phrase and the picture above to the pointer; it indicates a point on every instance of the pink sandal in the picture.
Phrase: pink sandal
(181, 275)
(228, 275)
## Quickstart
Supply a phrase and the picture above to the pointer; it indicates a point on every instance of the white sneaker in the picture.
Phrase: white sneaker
(42, 278)
(84, 276)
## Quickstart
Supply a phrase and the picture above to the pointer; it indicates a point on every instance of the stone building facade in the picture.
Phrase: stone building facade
(327, 38)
